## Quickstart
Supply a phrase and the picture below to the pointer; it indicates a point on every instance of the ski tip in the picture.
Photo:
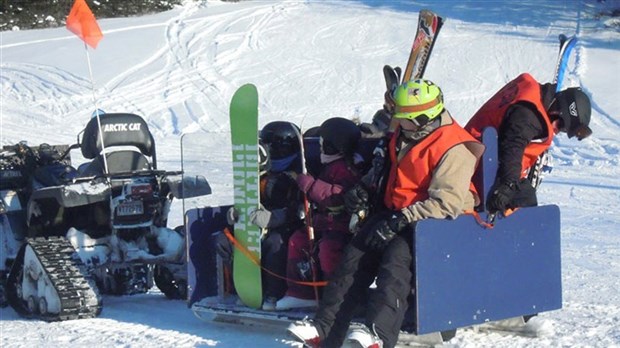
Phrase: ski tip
(562, 37)
(429, 13)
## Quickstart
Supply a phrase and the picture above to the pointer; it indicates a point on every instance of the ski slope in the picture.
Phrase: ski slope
(312, 60)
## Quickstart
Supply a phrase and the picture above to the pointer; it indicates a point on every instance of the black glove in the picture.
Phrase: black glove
(356, 199)
(500, 197)
(385, 230)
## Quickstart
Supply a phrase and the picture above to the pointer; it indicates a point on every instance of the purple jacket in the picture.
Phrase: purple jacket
(326, 192)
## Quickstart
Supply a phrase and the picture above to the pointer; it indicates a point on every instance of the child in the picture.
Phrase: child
(278, 215)
(280, 205)
(339, 138)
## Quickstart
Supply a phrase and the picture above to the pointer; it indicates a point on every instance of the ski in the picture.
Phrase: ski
(566, 47)
(244, 137)
(227, 310)
(429, 25)
(544, 164)
(392, 78)
(224, 310)
(516, 326)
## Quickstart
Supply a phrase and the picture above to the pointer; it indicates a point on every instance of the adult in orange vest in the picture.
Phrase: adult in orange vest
(527, 115)
(432, 162)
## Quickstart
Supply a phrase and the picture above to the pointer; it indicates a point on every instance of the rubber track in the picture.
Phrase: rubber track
(78, 299)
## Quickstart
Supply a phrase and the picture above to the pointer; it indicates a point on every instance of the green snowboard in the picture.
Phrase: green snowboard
(244, 136)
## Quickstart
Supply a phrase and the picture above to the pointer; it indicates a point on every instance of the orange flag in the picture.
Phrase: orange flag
(82, 23)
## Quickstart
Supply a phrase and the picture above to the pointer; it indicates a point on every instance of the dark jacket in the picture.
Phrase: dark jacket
(521, 125)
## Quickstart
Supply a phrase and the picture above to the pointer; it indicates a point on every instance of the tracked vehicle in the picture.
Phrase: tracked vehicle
(71, 234)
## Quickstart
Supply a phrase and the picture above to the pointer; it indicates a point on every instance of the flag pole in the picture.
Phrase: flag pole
(92, 84)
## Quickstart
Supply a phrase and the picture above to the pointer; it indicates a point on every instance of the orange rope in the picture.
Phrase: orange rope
(487, 224)
(228, 286)
(479, 219)
(255, 261)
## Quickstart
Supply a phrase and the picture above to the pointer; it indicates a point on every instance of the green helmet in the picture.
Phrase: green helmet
(418, 100)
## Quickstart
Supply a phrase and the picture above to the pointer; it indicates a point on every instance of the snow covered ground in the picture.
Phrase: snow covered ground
(311, 61)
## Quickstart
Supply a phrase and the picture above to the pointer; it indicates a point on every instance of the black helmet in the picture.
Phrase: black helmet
(282, 139)
(575, 109)
(339, 135)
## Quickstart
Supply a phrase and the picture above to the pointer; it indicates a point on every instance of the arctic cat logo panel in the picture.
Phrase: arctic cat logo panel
(121, 127)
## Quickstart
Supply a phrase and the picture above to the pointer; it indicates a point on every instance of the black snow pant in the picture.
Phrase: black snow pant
(348, 287)
(273, 258)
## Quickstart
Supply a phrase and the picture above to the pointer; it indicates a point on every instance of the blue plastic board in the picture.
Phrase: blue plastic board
(489, 161)
(202, 272)
(467, 274)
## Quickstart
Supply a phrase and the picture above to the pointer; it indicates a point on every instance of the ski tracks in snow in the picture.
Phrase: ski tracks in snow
(603, 147)
(47, 93)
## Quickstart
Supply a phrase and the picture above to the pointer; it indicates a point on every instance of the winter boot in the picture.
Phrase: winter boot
(305, 332)
(290, 302)
(363, 337)
(269, 304)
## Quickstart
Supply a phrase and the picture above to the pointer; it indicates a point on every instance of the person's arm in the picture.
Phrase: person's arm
(317, 189)
(517, 130)
(449, 193)
(337, 178)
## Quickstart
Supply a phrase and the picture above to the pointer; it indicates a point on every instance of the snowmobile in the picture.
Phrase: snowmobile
(467, 272)
(71, 234)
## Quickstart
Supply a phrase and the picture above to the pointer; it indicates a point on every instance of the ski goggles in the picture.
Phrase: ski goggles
(581, 132)
(414, 112)
(419, 121)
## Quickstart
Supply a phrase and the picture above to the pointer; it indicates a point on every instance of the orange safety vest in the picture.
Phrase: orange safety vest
(411, 176)
(522, 89)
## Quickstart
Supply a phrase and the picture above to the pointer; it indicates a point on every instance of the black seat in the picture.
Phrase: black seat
(128, 143)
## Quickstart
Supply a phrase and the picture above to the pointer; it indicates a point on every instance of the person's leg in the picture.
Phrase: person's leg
(331, 247)
(298, 266)
(388, 303)
(273, 259)
(347, 287)
(356, 295)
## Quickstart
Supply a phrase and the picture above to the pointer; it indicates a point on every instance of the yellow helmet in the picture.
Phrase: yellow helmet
(418, 100)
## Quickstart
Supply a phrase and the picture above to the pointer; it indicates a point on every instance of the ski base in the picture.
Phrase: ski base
(230, 310)
(517, 327)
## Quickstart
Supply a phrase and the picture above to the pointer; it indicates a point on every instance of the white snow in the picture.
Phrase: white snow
(311, 61)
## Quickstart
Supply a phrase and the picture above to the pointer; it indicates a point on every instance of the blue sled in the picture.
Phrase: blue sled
(465, 274)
